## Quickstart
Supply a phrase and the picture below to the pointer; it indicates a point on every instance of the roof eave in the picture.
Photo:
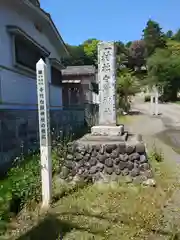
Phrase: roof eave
(18, 31)
(56, 63)
(46, 16)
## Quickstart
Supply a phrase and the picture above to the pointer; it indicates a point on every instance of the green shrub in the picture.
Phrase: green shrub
(23, 184)
(156, 154)
(147, 98)
(125, 106)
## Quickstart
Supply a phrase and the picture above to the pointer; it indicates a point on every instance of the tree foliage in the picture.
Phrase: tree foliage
(176, 36)
(164, 70)
(128, 44)
(153, 37)
(169, 34)
(155, 56)
(77, 56)
(136, 53)
(90, 49)
(174, 47)
(126, 87)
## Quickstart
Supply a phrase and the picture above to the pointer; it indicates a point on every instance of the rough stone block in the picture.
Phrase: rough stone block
(106, 160)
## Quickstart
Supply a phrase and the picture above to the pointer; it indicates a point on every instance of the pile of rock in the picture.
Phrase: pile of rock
(106, 161)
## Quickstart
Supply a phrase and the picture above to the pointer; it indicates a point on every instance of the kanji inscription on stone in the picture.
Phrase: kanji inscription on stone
(107, 80)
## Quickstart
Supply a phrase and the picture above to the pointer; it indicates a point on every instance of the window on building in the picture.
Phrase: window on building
(26, 53)
(56, 76)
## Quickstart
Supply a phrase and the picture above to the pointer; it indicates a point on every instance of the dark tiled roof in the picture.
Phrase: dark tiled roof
(79, 70)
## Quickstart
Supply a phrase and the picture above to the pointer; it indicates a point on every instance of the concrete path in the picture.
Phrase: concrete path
(169, 112)
(164, 128)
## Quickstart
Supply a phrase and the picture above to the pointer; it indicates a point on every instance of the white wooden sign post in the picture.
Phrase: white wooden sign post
(152, 104)
(44, 131)
(156, 102)
(154, 108)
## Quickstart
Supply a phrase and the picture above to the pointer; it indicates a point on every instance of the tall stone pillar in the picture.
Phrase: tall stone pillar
(107, 91)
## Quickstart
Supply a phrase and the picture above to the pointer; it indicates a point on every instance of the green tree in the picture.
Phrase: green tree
(164, 70)
(128, 44)
(176, 36)
(174, 47)
(127, 85)
(121, 54)
(169, 34)
(136, 54)
(90, 49)
(153, 37)
(77, 56)
(121, 48)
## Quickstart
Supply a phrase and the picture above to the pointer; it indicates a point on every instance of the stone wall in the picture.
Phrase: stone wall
(19, 129)
(106, 162)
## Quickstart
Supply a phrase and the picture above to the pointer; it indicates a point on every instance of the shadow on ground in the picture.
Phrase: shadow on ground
(50, 228)
(135, 112)
(54, 229)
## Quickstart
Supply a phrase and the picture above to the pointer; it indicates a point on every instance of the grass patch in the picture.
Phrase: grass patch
(124, 119)
(156, 154)
(177, 102)
(116, 211)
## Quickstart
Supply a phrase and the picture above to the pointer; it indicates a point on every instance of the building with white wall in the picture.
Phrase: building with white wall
(27, 33)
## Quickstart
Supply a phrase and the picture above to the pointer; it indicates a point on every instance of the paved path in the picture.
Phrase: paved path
(150, 127)
(170, 112)
(164, 128)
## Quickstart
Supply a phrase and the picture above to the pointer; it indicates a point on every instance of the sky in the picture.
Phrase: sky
(110, 20)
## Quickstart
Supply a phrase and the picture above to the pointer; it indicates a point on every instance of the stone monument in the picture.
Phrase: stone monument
(107, 91)
(107, 152)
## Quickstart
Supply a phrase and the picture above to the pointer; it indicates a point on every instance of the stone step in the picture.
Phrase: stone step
(98, 139)
(107, 130)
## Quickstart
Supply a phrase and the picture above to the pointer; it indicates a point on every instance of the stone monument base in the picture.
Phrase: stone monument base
(106, 158)
(107, 130)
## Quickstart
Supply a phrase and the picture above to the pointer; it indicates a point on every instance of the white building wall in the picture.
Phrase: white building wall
(15, 87)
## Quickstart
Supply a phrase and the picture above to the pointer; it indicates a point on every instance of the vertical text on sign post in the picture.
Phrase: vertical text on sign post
(44, 131)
